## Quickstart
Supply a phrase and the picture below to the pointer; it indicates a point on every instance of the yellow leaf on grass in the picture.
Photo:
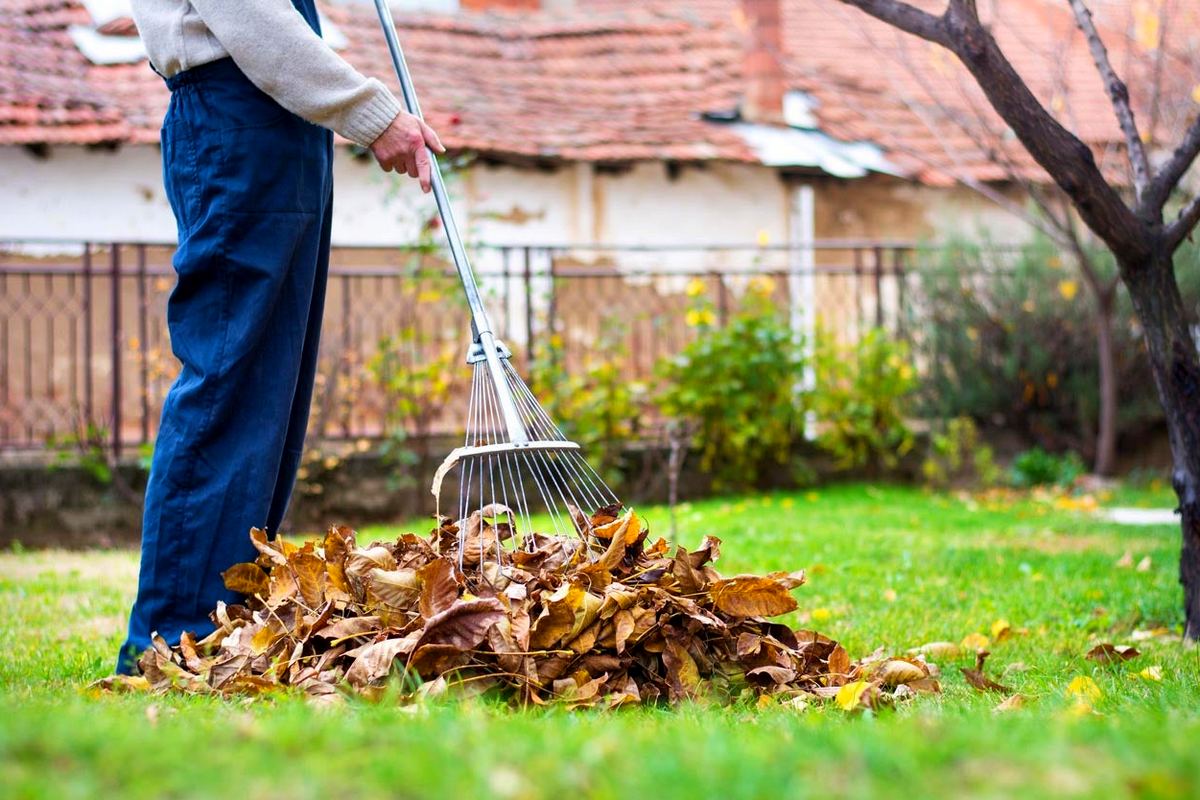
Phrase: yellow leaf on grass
(896, 671)
(1001, 630)
(937, 650)
(890, 595)
(850, 695)
(821, 614)
(1081, 709)
(975, 641)
(1012, 703)
(1152, 673)
(1084, 688)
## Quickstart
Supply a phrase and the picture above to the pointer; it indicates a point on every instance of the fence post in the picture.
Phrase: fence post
(552, 310)
(115, 326)
(878, 286)
(722, 299)
(87, 335)
(143, 342)
(901, 278)
(858, 290)
(527, 277)
(348, 357)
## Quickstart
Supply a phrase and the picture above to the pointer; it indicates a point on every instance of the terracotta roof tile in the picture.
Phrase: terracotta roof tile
(45, 95)
(620, 80)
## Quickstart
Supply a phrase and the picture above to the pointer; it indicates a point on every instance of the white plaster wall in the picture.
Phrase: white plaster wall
(77, 193)
(960, 212)
(102, 195)
(716, 203)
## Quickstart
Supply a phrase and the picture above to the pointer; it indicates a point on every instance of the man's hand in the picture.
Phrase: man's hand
(402, 147)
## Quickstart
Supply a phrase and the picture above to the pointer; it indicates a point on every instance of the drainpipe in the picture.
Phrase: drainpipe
(802, 288)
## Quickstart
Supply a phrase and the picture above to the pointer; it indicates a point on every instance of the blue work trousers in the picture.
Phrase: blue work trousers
(251, 187)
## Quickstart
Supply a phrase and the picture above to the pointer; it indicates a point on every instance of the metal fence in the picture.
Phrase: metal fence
(84, 349)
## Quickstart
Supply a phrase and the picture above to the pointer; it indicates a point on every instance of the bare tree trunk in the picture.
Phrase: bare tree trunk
(1106, 434)
(1176, 366)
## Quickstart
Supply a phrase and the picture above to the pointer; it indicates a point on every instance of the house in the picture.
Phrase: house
(603, 128)
(588, 121)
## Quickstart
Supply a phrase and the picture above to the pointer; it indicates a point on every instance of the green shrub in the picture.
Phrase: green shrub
(418, 369)
(739, 386)
(862, 399)
(1036, 467)
(958, 457)
(597, 406)
(1009, 339)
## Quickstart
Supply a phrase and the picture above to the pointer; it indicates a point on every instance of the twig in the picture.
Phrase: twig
(1171, 173)
(1118, 92)
(1184, 224)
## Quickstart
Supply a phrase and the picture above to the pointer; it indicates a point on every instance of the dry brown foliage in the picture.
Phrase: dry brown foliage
(605, 619)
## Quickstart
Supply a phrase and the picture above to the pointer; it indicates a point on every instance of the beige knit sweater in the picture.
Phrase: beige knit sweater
(278, 52)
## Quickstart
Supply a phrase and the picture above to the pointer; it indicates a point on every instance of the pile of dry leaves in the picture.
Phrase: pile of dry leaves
(602, 619)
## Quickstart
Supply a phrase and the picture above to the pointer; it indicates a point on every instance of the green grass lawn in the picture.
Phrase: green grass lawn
(890, 567)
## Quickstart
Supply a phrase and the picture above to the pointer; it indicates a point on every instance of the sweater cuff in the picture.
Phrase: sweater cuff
(371, 118)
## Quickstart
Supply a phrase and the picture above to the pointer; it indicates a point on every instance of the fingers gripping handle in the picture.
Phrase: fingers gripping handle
(480, 323)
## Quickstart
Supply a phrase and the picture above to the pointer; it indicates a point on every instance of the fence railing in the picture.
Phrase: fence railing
(84, 347)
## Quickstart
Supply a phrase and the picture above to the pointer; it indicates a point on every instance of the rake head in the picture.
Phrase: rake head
(515, 464)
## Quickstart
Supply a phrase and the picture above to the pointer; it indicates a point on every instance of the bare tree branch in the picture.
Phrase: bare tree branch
(1183, 225)
(965, 7)
(1068, 160)
(1118, 92)
(907, 18)
(1171, 173)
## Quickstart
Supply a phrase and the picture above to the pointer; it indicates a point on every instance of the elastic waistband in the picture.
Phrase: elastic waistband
(221, 69)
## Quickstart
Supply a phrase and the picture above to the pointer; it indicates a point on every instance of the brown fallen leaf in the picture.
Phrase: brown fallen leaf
(349, 627)
(895, 672)
(1010, 703)
(1107, 653)
(938, 650)
(979, 680)
(751, 596)
(464, 624)
(374, 661)
(309, 570)
(246, 579)
(540, 619)
(394, 587)
(439, 587)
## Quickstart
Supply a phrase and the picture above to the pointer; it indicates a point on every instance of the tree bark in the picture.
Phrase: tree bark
(1176, 366)
(1106, 433)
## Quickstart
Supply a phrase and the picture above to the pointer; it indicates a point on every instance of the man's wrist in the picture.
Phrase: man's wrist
(367, 122)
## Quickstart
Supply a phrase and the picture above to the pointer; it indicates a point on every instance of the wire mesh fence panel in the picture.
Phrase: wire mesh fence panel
(85, 350)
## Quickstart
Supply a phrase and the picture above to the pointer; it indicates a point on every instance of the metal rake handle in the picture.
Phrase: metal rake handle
(480, 323)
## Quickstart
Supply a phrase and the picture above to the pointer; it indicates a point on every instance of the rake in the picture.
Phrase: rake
(515, 462)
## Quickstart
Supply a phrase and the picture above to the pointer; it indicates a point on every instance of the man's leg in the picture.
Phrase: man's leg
(293, 446)
(251, 205)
